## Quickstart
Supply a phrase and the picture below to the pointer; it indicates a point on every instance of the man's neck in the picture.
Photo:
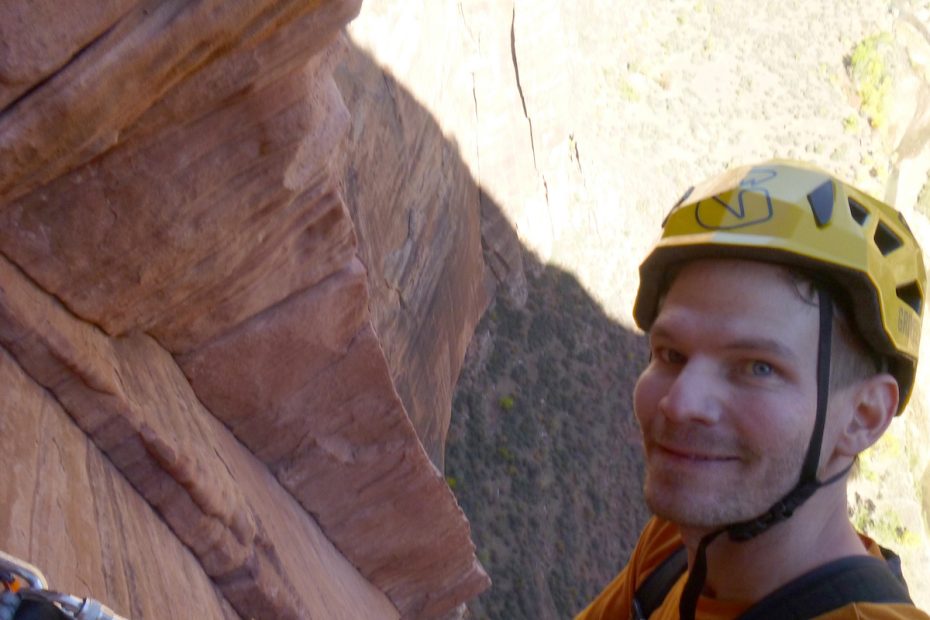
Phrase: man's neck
(818, 533)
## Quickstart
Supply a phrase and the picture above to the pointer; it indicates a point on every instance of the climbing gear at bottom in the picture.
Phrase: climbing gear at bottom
(855, 579)
(24, 595)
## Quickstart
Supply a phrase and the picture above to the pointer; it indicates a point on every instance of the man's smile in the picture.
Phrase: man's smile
(681, 452)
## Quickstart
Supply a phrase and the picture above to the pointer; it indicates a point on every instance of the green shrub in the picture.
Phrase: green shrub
(872, 76)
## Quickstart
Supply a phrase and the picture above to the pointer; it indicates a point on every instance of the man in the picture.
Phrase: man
(783, 309)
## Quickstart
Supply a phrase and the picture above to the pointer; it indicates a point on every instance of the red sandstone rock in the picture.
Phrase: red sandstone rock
(171, 182)
(80, 110)
(306, 387)
(422, 245)
(67, 28)
(266, 555)
(242, 230)
(70, 512)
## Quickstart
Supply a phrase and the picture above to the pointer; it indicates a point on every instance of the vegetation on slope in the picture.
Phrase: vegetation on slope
(543, 453)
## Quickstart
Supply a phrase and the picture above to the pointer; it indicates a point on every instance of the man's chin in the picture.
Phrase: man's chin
(692, 514)
(685, 518)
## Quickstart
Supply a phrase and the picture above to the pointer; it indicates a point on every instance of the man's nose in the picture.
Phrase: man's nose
(694, 395)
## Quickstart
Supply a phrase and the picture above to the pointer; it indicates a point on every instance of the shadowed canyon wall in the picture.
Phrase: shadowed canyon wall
(235, 297)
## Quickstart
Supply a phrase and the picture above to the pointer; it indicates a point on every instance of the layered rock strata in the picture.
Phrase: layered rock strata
(181, 274)
(72, 513)
(250, 536)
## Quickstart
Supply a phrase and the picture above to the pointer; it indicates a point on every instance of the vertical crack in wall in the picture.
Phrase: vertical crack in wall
(516, 70)
(549, 209)
(471, 35)
(476, 41)
(474, 98)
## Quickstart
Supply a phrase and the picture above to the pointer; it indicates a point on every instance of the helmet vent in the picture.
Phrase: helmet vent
(910, 294)
(858, 212)
(886, 240)
(821, 202)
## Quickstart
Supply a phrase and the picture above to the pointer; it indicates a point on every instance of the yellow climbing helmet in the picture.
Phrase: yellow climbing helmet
(798, 215)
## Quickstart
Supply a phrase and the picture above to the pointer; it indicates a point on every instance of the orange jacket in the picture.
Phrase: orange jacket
(658, 540)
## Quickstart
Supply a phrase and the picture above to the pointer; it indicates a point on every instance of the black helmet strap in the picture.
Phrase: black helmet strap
(824, 348)
(807, 483)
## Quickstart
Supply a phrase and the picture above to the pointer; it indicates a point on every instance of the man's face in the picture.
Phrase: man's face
(727, 403)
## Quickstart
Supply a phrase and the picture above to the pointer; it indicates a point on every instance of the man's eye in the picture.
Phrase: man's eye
(670, 356)
(761, 369)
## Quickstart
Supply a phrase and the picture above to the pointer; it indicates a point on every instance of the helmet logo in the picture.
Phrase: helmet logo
(753, 204)
(909, 327)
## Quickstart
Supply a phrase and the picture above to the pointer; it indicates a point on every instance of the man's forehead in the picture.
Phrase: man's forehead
(743, 294)
(742, 275)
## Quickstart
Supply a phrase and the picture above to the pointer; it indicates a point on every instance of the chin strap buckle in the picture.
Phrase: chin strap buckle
(779, 511)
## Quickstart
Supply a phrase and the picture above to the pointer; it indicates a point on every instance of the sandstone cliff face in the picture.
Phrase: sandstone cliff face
(421, 244)
(183, 283)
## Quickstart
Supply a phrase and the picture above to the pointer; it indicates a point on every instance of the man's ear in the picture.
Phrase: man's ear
(874, 402)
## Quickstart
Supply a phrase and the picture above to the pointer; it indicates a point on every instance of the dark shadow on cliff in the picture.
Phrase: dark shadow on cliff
(542, 451)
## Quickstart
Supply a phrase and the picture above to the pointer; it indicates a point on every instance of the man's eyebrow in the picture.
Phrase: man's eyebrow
(659, 330)
(753, 343)
(761, 343)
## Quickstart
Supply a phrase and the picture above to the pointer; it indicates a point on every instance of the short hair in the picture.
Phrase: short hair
(851, 358)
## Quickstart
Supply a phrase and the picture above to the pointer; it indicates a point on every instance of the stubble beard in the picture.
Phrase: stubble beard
(707, 505)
